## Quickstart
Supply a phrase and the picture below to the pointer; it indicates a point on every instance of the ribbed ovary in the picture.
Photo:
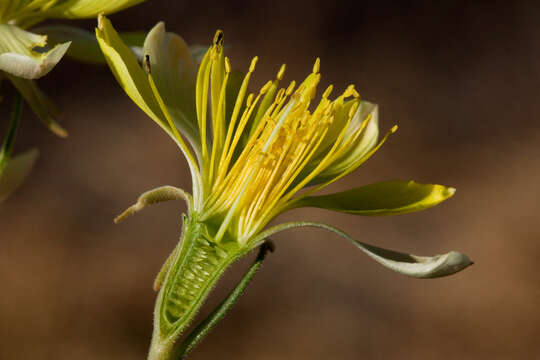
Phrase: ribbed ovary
(192, 275)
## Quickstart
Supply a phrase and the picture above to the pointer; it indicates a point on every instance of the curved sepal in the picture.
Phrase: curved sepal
(379, 199)
(422, 267)
(18, 56)
(154, 196)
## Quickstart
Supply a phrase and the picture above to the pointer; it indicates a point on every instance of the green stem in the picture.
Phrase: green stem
(200, 332)
(7, 146)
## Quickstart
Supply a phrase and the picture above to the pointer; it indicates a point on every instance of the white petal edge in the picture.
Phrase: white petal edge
(423, 267)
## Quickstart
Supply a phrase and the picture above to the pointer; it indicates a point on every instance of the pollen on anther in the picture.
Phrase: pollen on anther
(265, 88)
(290, 88)
(253, 63)
(227, 65)
(350, 91)
(394, 129)
(328, 91)
(281, 72)
(317, 66)
(249, 100)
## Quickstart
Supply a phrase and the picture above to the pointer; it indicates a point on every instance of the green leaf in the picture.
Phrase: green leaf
(15, 172)
(384, 198)
(423, 267)
(18, 55)
(84, 46)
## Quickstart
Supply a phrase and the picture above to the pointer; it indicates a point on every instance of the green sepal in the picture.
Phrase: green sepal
(406, 264)
(196, 265)
(380, 199)
(154, 196)
(202, 330)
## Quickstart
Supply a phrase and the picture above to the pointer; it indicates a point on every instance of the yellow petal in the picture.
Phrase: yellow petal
(127, 71)
(384, 198)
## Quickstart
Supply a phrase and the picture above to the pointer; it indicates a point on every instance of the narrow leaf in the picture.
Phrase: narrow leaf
(407, 264)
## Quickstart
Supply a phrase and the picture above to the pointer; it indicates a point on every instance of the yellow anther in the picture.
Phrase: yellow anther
(290, 88)
(249, 100)
(393, 129)
(218, 38)
(317, 66)
(281, 72)
(279, 96)
(328, 91)
(349, 91)
(253, 63)
(266, 86)
(227, 65)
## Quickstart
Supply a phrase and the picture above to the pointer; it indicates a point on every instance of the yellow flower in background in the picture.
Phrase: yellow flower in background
(253, 156)
(24, 55)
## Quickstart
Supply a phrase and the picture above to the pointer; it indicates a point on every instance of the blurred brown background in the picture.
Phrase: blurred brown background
(462, 80)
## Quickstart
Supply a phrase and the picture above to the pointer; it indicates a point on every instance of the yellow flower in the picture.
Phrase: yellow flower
(253, 156)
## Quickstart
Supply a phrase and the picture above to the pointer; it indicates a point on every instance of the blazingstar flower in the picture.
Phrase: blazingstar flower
(24, 55)
(252, 157)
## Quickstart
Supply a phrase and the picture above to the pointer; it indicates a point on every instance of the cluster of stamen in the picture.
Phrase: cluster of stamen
(268, 146)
